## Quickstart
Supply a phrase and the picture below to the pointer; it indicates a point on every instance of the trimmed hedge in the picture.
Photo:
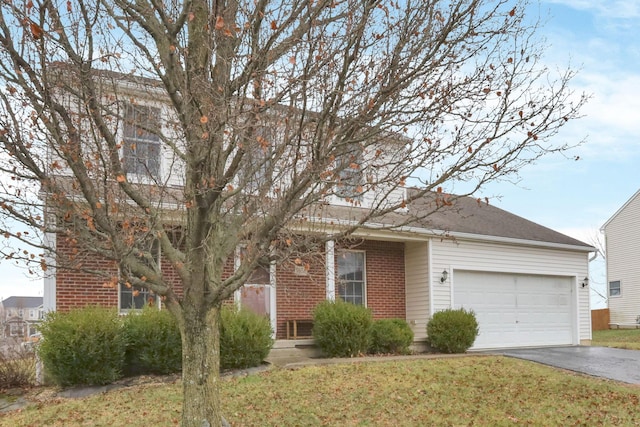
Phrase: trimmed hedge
(245, 338)
(452, 331)
(391, 336)
(84, 346)
(342, 329)
(154, 344)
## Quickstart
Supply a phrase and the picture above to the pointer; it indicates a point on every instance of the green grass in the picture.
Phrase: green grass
(619, 338)
(450, 391)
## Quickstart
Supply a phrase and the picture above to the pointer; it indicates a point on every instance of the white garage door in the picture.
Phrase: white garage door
(516, 310)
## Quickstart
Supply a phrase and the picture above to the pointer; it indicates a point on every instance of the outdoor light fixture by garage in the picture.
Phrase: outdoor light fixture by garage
(585, 282)
(445, 274)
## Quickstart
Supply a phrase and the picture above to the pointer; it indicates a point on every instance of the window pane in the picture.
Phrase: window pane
(350, 173)
(142, 145)
(614, 288)
(351, 285)
(135, 298)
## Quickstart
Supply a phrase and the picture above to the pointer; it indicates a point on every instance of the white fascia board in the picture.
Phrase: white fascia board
(408, 233)
(602, 229)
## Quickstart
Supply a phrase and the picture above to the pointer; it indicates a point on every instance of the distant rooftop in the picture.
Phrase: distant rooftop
(22, 302)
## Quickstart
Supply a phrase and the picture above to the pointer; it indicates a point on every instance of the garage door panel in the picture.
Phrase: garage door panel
(516, 310)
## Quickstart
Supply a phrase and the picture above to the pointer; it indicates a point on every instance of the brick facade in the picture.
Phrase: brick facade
(298, 290)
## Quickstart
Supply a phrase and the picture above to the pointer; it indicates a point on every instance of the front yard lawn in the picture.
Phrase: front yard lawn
(619, 338)
(478, 390)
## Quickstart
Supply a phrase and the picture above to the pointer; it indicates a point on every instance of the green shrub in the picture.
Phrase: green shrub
(391, 336)
(83, 346)
(245, 338)
(452, 331)
(153, 343)
(342, 329)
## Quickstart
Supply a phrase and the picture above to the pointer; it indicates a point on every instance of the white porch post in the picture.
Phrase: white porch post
(49, 286)
(330, 270)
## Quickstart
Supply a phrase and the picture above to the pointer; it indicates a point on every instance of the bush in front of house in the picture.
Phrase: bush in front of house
(391, 336)
(17, 365)
(342, 329)
(154, 345)
(452, 331)
(245, 338)
(84, 346)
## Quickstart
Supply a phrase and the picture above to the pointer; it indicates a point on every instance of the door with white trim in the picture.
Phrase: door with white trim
(517, 310)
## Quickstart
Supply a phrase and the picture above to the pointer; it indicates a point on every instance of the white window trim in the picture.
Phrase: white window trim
(364, 273)
(134, 175)
(124, 311)
(619, 288)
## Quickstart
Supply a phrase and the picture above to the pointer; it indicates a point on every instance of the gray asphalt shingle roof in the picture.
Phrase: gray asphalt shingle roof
(472, 216)
(22, 302)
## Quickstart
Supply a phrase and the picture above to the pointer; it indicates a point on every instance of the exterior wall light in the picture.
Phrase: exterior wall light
(445, 274)
(585, 282)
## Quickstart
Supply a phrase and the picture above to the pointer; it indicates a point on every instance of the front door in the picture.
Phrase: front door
(258, 294)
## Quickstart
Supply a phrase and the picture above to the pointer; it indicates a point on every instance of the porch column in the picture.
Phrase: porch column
(330, 273)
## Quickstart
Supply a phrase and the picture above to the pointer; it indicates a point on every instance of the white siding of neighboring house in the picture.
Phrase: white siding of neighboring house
(622, 233)
(500, 257)
(416, 263)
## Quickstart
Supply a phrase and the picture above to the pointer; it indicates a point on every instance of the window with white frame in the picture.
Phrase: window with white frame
(258, 159)
(350, 174)
(351, 286)
(16, 329)
(614, 288)
(135, 297)
(141, 151)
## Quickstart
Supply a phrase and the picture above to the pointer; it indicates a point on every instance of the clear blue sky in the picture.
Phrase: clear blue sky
(602, 40)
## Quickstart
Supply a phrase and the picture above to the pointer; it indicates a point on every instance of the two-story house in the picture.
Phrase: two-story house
(21, 315)
(525, 282)
(622, 240)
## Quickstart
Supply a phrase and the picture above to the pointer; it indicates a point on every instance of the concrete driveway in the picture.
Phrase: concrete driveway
(612, 363)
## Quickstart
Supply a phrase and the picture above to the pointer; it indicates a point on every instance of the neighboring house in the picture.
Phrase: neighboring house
(622, 239)
(21, 315)
(526, 283)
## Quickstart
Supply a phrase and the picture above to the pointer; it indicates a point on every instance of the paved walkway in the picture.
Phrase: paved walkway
(612, 363)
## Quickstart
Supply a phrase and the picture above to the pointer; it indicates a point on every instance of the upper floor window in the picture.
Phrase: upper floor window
(351, 284)
(141, 140)
(258, 160)
(350, 175)
(614, 288)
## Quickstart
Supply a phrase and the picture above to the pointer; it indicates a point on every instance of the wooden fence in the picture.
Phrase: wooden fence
(600, 319)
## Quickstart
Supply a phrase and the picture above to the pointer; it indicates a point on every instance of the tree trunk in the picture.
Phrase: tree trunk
(201, 368)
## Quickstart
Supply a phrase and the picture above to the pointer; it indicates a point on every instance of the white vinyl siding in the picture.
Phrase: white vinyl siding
(622, 234)
(416, 263)
(460, 254)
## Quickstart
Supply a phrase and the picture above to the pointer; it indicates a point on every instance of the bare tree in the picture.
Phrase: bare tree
(261, 112)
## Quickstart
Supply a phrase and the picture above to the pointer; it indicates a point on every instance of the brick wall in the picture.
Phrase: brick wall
(385, 279)
(77, 288)
(296, 296)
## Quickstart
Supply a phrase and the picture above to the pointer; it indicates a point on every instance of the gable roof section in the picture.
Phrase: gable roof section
(631, 199)
(22, 302)
(471, 216)
(461, 217)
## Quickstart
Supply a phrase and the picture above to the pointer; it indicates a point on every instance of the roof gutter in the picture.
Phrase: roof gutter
(373, 229)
